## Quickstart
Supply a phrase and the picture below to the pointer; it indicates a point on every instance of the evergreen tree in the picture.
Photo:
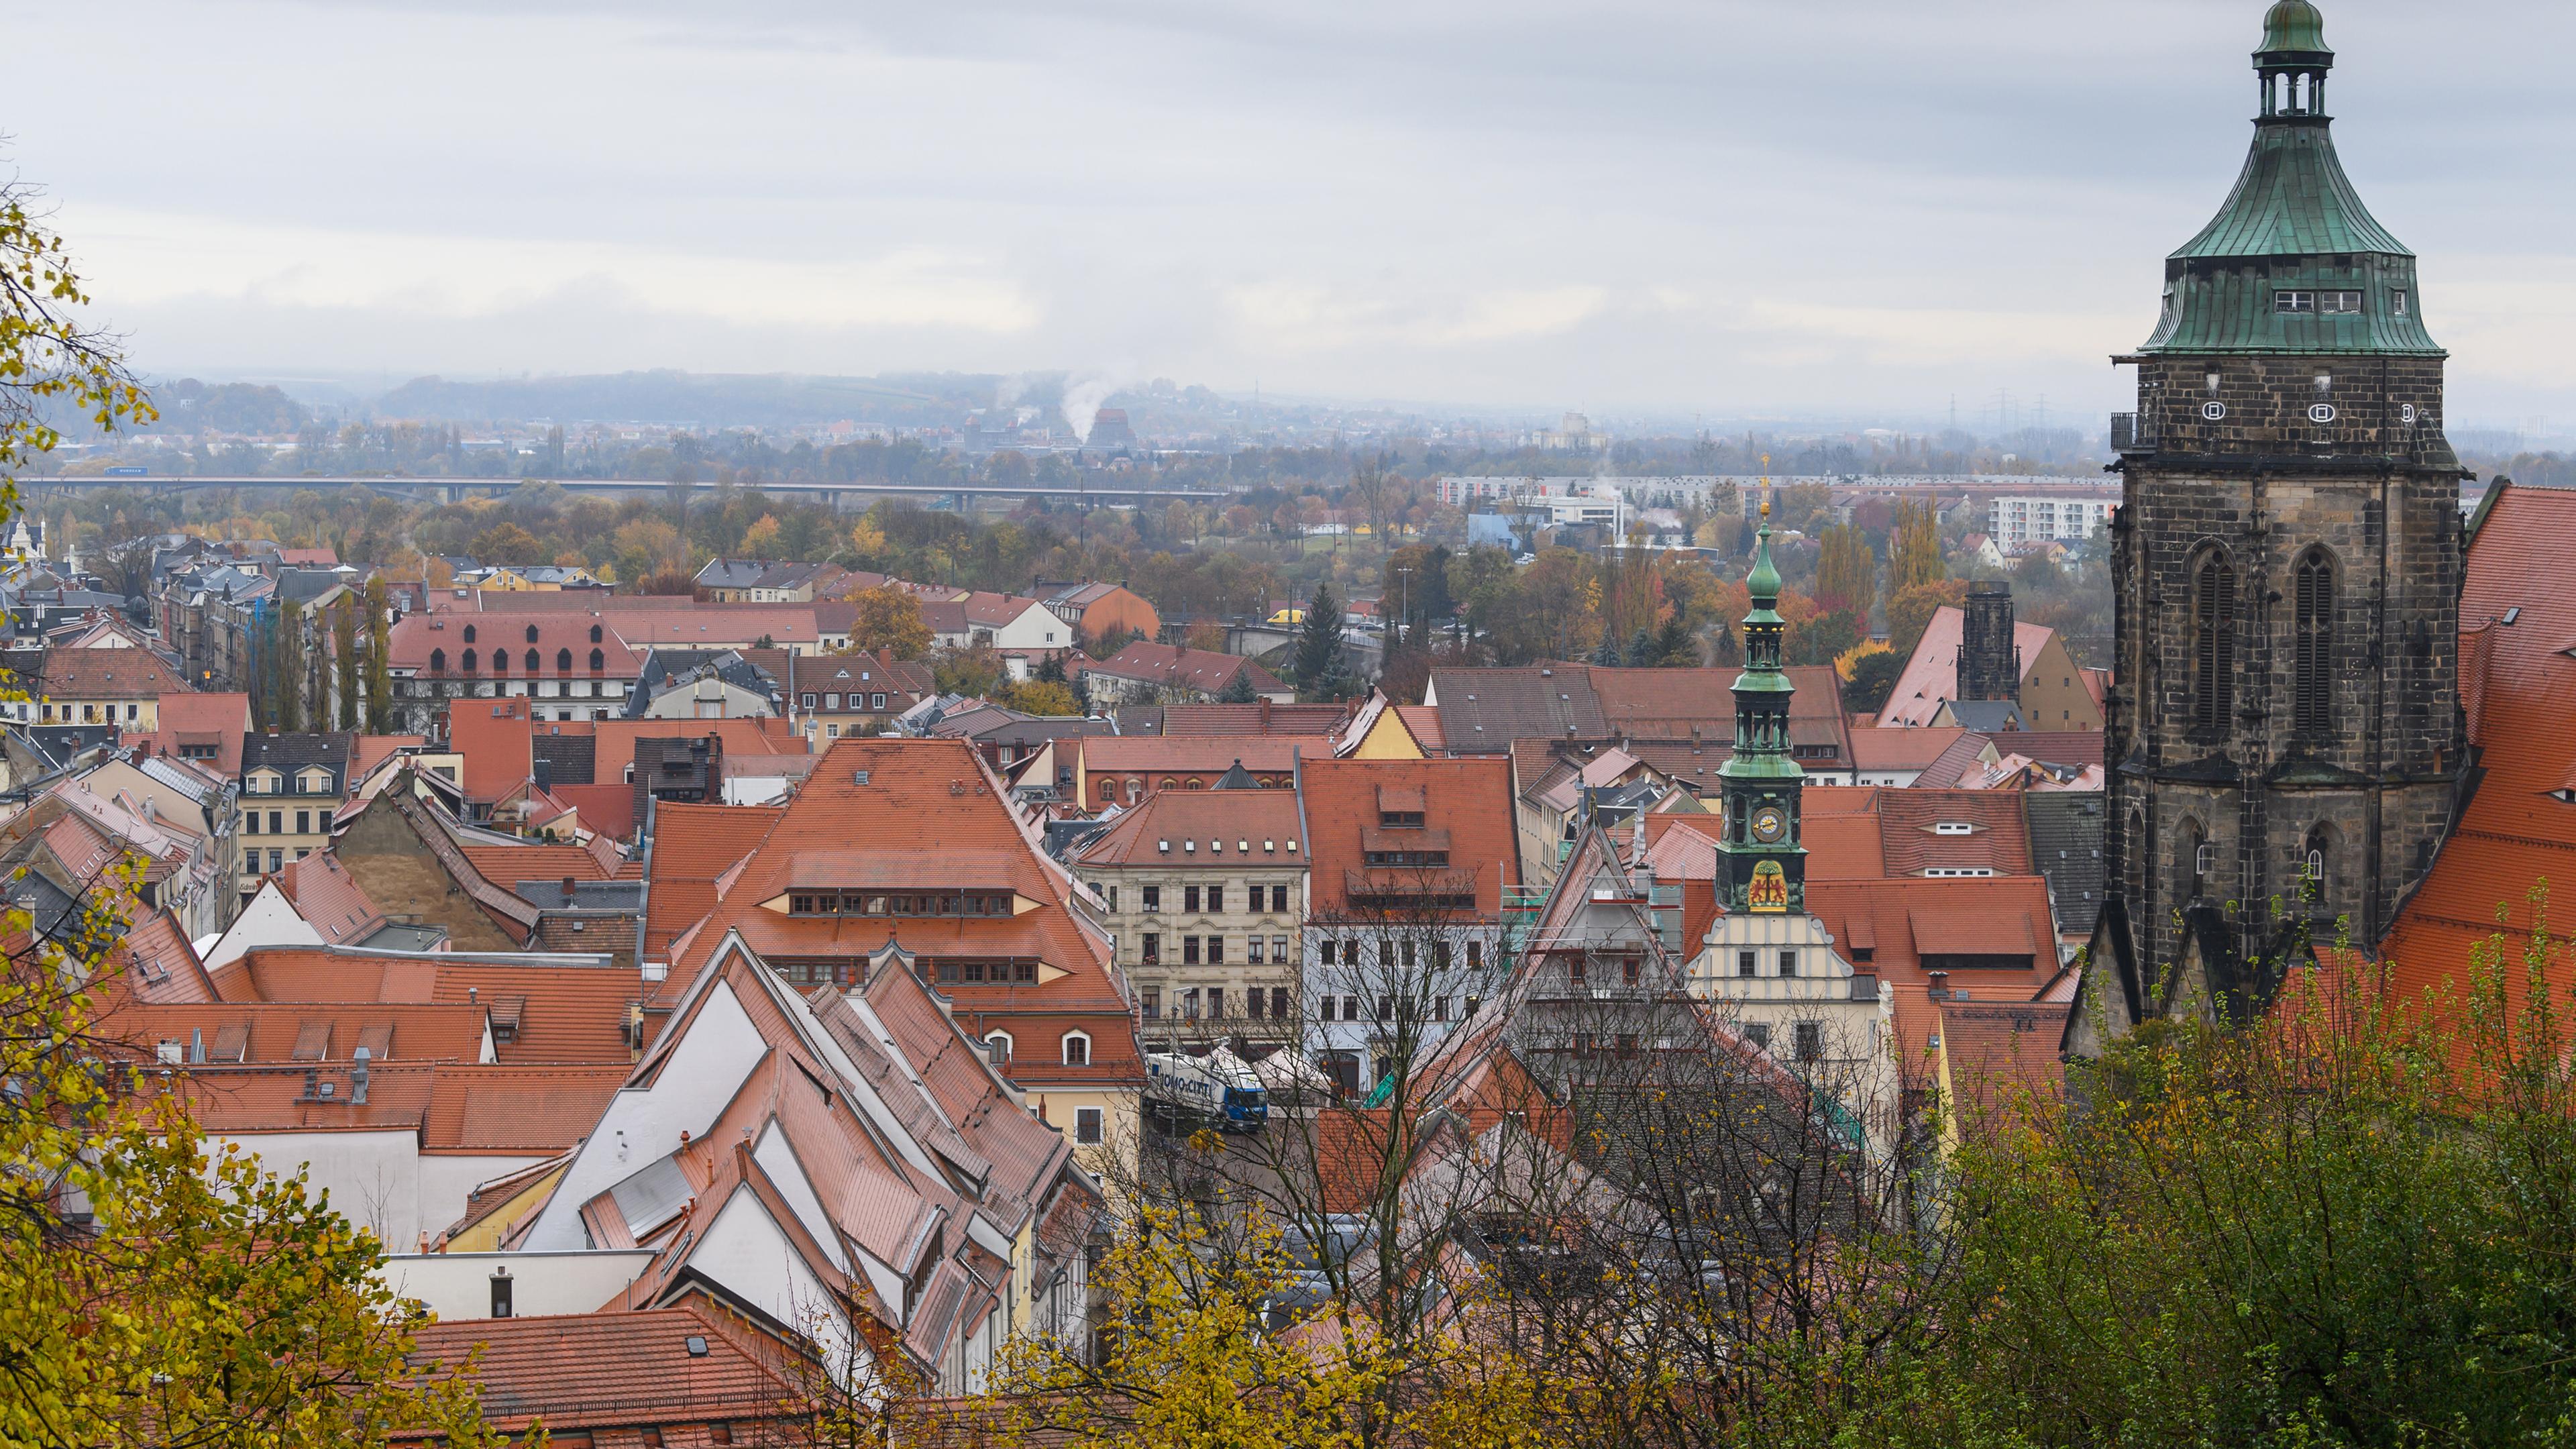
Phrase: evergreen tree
(344, 642)
(379, 671)
(1238, 690)
(1319, 641)
(1642, 653)
(1674, 646)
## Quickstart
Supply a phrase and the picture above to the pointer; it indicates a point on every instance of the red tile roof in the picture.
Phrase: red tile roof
(1932, 674)
(217, 719)
(1263, 717)
(1207, 754)
(2518, 832)
(1892, 747)
(1205, 670)
(256, 1033)
(329, 899)
(416, 637)
(564, 1014)
(1215, 821)
(1468, 799)
(588, 1372)
(108, 674)
(919, 792)
(693, 847)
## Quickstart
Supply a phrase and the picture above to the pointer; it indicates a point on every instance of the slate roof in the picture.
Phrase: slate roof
(2066, 847)
(1483, 710)
(1265, 821)
(290, 753)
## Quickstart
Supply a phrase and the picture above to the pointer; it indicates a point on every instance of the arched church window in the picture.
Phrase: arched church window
(2213, 664)
(2312, 650)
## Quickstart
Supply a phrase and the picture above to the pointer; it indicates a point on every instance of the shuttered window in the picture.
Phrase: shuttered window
(2213, 645)
(2312, 659)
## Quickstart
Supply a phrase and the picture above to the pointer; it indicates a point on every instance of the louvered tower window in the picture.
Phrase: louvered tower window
(2213, 644)
(2312, 660)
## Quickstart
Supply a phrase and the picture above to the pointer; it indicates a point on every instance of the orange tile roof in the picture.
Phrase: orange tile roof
(1204, 753)
(256, 1033)
(919, 792)
(1260, 718)
(2518, 831)
(693, 847)
(1216, 821)
(1932, 674)
(1470, 799)
(108, 674)
(1892, 747)
(1424, 721)
(329, 899)
(219, 719)
(574, 1014)
(587, 1372)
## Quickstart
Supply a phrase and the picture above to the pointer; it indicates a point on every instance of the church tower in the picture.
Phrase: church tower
(1762, 866)
(2284, 732)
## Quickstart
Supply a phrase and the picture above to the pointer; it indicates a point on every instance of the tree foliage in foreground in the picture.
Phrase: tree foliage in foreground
(154, 1290)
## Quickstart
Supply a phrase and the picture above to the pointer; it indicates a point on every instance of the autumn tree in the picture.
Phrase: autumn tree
(52, 361)
(888, 618)
(155, 1289)
(1914, 549)
(1040, 697)
(1910, 610)
(1846, 572)
(507, 543)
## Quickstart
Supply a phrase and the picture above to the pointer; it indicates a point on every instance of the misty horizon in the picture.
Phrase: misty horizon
(1665, 214)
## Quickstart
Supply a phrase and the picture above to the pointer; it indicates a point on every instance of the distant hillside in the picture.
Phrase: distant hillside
(190, 406)
(711, 400)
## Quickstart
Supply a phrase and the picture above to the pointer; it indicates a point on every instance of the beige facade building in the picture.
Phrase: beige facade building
(1203, 893)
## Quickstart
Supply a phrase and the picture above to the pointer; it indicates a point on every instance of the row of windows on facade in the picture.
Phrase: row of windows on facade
(598, 634)
(276, 860)
(949, 971)
(876, 904)
(417, 688)
(1345, 951)
(90, 714)
(1195, 1003)
(1390, 1009)
(2331, 302)
(1208, 899)
(1807, 1038)
(2312, 650)
(501, 661)
(833, 701)
(1210, 950)
(276, 825)
(2200, 856)
(1135, 786)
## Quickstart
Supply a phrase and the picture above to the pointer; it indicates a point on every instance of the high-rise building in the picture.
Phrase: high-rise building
(2284, 738)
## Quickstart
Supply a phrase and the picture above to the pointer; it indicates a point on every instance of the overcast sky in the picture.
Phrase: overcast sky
(1743, 209)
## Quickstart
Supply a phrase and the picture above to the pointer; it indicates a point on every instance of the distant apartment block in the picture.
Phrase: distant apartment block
(2018, 520)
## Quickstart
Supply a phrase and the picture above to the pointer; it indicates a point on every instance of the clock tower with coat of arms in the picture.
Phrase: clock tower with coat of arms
(1762, 867)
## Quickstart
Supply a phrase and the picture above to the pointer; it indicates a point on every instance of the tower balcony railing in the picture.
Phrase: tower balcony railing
(2133, 433)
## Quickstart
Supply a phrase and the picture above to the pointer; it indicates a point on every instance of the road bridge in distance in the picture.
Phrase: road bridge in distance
(457, 490)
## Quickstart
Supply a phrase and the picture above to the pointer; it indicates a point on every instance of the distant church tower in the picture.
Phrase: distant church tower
(2284, 734)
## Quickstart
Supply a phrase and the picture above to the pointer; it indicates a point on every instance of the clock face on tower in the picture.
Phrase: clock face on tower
(1769, 824)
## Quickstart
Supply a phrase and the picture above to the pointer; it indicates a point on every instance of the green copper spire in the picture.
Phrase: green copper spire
(1762, 865)
(2294, 25)
(2293, 264)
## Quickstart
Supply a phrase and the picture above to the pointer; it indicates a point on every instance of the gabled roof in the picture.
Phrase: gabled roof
(135, 674)
(1204, 670)
(1932, 673)
(329, 899)
(587, 1372)
(1212, 826)
(1262, 717)
(568, 1013)
(1468, 800)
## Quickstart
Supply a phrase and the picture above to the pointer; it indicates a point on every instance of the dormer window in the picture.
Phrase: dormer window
(469, 633)
(2397, 301)
(1954, 827)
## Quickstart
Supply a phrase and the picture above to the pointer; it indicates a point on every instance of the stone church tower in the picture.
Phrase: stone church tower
(2284, 732)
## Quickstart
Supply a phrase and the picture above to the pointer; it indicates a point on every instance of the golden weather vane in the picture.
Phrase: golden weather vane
(1766, 487)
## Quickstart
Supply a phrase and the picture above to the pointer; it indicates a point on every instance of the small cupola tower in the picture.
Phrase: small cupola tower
(2293, 62)
(1763, 863)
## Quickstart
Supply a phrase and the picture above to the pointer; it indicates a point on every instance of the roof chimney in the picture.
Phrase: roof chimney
(358, 1076)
